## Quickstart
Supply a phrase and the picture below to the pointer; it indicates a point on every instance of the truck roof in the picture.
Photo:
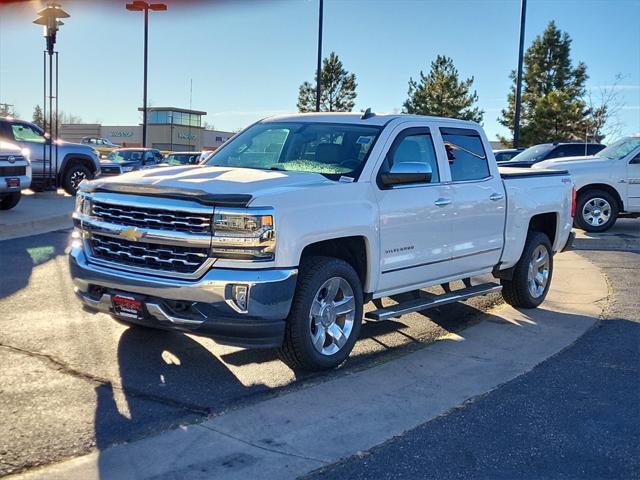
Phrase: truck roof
(357, 118)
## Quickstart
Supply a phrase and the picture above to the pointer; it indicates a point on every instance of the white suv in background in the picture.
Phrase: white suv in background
(607, 183)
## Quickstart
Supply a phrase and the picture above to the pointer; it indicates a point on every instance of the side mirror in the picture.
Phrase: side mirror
(407, 172)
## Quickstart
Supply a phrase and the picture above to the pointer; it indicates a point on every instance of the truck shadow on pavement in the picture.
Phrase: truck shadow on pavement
(168, 379)
(18, 258)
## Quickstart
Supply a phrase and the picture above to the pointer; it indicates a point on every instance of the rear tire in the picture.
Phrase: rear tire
(74, 174)
(531, 275)
(9, 201)
(326, 315)
(596, 211)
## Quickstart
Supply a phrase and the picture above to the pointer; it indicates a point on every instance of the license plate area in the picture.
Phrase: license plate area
(13, 182)
(128, 306)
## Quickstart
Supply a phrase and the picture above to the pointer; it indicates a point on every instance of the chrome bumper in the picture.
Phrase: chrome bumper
(25, 182)
(206, 306)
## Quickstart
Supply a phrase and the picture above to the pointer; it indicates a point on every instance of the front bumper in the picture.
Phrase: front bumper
(25, 182)
(203, 307)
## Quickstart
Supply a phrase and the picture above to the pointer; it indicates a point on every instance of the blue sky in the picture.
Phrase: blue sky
(247, 58)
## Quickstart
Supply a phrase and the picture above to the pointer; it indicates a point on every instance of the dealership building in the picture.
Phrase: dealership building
(168, 128)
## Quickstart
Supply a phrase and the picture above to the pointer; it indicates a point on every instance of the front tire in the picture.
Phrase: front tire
(596, 211)
(73, 175)
(532, 274)
(9, 201)
(326, 315)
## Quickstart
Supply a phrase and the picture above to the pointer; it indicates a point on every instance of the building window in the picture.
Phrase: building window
(218, 139)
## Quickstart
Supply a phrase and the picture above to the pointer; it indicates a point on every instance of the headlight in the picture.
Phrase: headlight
(83, 204)
(243, 234)
(127, 169)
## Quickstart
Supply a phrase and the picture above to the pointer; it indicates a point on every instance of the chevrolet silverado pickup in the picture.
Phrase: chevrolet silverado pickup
(283, 235)
(607, 183)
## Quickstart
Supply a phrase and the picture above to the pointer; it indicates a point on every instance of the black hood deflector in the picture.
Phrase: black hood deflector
(199, 196)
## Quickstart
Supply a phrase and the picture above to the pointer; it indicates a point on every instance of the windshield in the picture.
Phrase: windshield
(533, 154)
(182, 158)
(620, 149)
(333, 150)
(121, 156)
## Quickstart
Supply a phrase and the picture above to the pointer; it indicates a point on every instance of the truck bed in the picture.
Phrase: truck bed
(514, 172)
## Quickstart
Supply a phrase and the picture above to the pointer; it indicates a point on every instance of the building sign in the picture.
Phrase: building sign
(121, 133)
(187, 136)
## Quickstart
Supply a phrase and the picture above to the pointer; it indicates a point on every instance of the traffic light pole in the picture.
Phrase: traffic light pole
(516, 119)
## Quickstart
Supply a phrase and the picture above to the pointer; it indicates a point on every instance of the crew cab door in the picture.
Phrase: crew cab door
(414, 217)
(633, 183)
(478, 209)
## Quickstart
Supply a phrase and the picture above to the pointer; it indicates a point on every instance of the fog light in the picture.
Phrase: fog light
(240, 297)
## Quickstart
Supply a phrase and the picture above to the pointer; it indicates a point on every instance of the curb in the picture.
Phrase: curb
(606, 243)
(36, 227)
(316, 426)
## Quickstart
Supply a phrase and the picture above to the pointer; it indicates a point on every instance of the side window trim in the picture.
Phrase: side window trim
(400, 136)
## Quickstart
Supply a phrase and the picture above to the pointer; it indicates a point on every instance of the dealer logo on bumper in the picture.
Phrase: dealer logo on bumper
(132, 234)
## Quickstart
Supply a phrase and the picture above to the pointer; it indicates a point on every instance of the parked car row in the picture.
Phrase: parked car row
(607, 179)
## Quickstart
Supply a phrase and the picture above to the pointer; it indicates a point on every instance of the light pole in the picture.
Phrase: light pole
(49, 17)
(139, 6)
(319, 69)
(516, 117)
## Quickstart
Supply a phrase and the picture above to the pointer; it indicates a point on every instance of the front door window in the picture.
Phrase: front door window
(25, 133)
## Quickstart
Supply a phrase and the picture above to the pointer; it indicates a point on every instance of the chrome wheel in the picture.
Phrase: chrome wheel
(538, 271)
(596, 212)
(332, 316)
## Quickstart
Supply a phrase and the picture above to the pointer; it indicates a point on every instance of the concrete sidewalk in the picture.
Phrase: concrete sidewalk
(293, 434)
(37, 213)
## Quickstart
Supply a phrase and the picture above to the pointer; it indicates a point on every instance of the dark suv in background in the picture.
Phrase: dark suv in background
(123, 160)
(547, 151)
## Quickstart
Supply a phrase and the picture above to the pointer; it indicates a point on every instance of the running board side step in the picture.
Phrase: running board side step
(436, 301)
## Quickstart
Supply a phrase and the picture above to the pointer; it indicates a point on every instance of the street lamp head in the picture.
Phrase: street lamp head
(139, 6)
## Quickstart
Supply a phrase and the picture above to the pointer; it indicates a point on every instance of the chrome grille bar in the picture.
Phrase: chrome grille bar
(148, 255)
(157, 219)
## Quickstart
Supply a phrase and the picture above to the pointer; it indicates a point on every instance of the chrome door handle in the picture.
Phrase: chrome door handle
(496, 196)
(442, 202)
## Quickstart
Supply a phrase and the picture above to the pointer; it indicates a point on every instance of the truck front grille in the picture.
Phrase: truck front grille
(157, 219)
(13, 171)
(166, 258)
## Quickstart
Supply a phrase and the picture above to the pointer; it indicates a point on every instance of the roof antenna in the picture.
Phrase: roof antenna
(367, 114)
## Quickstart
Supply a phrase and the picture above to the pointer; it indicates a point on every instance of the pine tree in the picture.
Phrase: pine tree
(553, 105)
(38, 117)
(338, 89)
(442, 94)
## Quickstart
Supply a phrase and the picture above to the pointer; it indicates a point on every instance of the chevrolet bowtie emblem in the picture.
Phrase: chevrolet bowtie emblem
(132, 234)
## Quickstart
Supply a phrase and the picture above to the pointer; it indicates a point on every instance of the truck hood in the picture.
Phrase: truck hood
(569, 162)
(209, 180)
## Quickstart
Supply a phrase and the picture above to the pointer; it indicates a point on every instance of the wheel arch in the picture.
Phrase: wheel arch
(73, 158)
(605, 187)
(355, 250)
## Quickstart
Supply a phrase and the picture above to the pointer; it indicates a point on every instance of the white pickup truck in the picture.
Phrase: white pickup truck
(607, 183)
(296, 222)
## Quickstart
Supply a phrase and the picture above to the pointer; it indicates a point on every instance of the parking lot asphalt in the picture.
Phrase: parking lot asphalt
(73, 381)
(575, 416)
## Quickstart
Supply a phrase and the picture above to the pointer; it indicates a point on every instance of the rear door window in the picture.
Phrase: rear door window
(465, 153)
